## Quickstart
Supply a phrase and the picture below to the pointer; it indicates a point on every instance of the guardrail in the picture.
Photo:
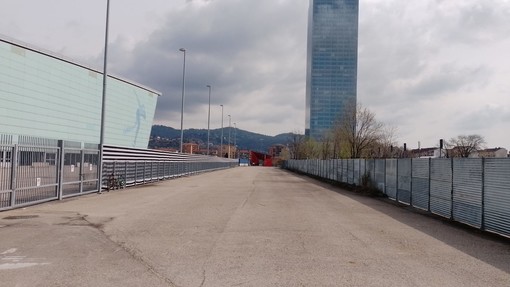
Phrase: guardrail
(473, 191)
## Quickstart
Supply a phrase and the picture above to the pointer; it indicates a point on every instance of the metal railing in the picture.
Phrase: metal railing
(35, 170)
(473, 191)
(131, 166)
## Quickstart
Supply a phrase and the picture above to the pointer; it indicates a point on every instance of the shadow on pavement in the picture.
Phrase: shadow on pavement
(484, 246)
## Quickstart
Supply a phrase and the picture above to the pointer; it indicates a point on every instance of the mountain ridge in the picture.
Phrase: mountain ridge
(168, 137)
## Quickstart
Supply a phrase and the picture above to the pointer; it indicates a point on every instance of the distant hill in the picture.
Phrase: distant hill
(163, 136)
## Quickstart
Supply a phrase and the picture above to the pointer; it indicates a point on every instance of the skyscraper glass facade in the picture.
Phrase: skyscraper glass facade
(332, 63)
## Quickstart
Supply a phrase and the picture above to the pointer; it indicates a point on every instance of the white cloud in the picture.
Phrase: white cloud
(429, 67)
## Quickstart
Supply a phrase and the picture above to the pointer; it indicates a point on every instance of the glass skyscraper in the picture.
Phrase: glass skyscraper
(332, 63)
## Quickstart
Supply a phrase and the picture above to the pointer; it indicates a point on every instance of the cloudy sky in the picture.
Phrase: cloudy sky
(431, 68)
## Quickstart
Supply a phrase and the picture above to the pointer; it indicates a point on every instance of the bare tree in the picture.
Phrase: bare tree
(297, 146)
(464, 145)
(359, 130)
(385, 145)
(326, 147)
(312, 149)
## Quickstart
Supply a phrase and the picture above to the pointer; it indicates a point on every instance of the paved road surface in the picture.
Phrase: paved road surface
(247, 226)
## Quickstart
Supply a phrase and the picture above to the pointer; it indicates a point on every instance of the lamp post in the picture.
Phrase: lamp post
(182, 98)
(103, 101)
(209, 119)
(235, 138)
(221, 140)
(229, 128)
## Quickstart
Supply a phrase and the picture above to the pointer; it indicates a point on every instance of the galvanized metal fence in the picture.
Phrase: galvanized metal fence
(468, 190)
(35, 170)
(130, 166)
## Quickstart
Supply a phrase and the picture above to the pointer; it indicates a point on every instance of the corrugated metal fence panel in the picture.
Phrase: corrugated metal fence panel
(404, 180)
(327, 169)
(345, 170)
(420, 183)
(441, 187)
(370, 170)
(350, 171)
(497, 196)
(338, 170)
(362, 170)
(357, 171)
(467, 191)
(332, 169)
(480, 192)
(380, 174)
(391, 178)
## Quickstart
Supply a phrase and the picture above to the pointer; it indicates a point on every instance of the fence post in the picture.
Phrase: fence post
(125, 173)
(82, 161)
(482, 225)
(411, 185)
(136, 173)
(60, 170)
(451, 191)
(385, 187)
(144, 169)
(430, 181)
(396, 182)
(14, 171)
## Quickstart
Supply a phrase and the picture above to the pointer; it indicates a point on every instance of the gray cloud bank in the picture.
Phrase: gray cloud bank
(435, 69)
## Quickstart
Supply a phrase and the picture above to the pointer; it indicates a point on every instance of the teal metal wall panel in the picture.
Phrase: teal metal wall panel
(49, 97)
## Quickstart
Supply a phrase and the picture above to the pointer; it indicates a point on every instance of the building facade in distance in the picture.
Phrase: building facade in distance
(332, 63)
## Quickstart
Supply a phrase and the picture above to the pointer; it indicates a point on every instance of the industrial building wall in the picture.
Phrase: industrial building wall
(45, 96)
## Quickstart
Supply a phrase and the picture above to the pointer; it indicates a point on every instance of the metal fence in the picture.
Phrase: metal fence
(468, 190)
(35, 170)
(130, 166)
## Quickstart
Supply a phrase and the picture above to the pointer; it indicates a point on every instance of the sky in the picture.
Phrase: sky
(430, 68)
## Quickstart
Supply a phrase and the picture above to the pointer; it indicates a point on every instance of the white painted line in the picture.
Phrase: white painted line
(9, 251)
(8, 266)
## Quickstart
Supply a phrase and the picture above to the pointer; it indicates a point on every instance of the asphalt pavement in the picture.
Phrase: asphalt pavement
(248, 226)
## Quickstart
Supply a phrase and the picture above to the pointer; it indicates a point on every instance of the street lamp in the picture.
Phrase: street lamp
(229, 128)
(235, 138)
(209, 119)
(221, 140)
(182, 98)
(103, 101)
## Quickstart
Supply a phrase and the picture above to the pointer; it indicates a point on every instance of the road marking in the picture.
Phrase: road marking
(16, 261)
(9, 251)
(7, 266)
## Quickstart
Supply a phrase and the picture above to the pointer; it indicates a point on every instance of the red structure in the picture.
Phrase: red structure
(260, 159)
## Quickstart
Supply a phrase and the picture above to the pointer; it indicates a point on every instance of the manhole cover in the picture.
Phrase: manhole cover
(21, 216)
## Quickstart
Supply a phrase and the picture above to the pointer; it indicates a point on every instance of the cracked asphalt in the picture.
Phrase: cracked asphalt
(248, 226)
